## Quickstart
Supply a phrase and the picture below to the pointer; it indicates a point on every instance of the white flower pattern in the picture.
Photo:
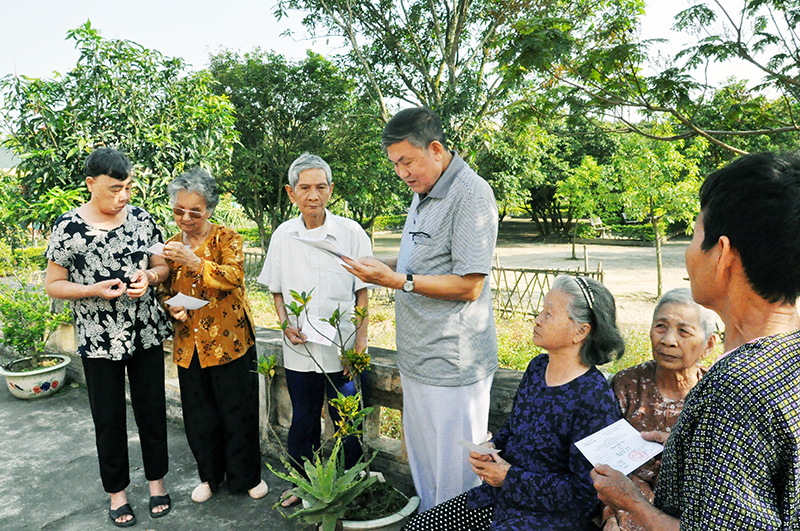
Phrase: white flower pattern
(111, 329)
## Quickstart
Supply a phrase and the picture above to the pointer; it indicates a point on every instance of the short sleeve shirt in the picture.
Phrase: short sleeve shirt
(292, 265)
(115, 328)
(733, 458)
(450, 231)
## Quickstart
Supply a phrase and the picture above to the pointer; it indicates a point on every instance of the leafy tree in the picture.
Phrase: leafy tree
(283, 108)
(586, 192)
(435, 53)
(365, 184)
(610, 78)
(658, 181)
(120, 95)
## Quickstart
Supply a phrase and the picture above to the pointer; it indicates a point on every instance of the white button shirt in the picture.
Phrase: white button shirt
(294, 265)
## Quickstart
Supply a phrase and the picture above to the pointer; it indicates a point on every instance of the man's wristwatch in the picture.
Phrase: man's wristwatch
(408, 285)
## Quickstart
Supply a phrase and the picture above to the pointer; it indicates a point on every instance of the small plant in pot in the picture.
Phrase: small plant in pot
(335, 497)
(27, 324)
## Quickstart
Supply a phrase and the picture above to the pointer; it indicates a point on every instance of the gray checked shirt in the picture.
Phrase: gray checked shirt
(450, 231)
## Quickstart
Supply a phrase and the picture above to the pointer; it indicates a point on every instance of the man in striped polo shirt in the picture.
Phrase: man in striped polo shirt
(446, 342)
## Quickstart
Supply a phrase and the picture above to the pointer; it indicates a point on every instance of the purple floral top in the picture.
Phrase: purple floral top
(548, 487)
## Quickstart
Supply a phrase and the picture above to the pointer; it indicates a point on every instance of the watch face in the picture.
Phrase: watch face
(408, 286)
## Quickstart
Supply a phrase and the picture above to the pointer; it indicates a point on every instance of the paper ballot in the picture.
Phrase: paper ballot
(190, 303)
(326, 246)
(156, 248)
(318, 331)
(619, 446)
(478, 448)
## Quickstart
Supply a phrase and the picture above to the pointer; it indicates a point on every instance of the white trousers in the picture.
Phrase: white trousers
(434, 420)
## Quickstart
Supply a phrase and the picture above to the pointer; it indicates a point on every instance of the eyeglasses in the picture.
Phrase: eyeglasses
(194, 214)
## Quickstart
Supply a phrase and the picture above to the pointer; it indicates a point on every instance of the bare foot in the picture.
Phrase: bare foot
(118, 499)
(291, 500)
(157, 489)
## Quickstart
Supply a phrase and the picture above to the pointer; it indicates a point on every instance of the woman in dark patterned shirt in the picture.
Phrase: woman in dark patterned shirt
(98, 260)
(540, 480)
(732, 461)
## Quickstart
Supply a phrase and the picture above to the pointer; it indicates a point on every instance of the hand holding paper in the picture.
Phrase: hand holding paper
(190, 303)
(619, 446)
(483, 450)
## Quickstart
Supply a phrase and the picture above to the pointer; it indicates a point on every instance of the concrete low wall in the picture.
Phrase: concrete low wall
(275, 409)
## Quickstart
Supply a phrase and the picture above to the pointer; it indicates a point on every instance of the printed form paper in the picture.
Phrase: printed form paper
(326, 246)
(318, 331)
(619, 446)
(190, 303)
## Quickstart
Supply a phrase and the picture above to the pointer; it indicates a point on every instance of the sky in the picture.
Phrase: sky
(33, 32)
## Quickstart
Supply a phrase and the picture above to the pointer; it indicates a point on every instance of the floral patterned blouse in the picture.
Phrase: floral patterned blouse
(115, 328)
(222, 330)
(647, 410)
(548, 486)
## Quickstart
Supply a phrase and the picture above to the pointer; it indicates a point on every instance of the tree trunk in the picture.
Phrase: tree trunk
(659, 265)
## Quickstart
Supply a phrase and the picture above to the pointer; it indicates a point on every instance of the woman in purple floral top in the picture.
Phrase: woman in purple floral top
(540, 480)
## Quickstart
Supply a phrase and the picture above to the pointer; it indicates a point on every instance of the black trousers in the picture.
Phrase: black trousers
(105, 383)
(220, 413)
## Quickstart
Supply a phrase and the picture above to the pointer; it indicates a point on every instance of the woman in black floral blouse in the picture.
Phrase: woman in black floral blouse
(98, 259)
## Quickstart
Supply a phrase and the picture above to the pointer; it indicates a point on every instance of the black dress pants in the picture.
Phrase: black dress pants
(220, 413)
(105, 383)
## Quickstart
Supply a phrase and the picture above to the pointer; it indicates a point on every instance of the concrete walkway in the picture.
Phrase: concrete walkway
(49, 476)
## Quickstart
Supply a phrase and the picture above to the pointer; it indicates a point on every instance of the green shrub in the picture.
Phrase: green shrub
(250, 236)
(389, 222)
(30, 257)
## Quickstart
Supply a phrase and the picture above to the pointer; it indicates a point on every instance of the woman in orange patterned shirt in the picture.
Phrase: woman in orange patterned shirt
(214, 346)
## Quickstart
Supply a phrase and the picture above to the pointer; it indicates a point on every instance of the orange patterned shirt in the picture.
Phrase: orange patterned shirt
(222, 330)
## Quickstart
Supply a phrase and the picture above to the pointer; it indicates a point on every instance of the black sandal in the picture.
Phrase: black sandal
(122, 511)
(155, 501)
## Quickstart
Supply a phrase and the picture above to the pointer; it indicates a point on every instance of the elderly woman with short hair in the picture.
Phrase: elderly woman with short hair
(540, 480)
(214, 346)
(651, 395)
(731, 461)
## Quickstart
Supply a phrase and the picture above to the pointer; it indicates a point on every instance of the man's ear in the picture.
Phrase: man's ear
(290, 192)
(90, 183)
(436, 149)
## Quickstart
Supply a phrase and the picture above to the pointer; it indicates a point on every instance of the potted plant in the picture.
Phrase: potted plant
(333, 497)
(27, 324)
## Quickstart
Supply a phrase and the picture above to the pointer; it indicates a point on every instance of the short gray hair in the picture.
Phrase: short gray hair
(683, 297)
(196, 180)
(308, 161)
(604, 342)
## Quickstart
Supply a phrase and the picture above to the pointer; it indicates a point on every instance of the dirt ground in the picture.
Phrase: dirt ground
(630, 272)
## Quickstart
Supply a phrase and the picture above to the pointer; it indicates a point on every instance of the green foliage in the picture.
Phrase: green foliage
(251, 236)
(327, 486)
(120, 95)
(389, 222)
(515, 348)
(365, 184)
(266, 366)
(27, 320)
(283, 108)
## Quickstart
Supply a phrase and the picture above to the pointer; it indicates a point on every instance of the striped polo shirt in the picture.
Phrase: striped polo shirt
(452, 230)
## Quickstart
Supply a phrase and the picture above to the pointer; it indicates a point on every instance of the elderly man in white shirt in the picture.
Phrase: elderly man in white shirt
(294, 265)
